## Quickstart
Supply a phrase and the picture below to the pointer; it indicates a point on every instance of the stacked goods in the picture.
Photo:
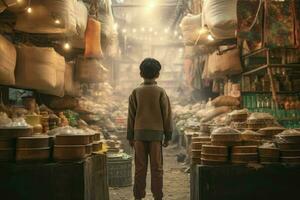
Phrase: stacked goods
(238, 119)
(41, 69)
(192, 31)
(197, 143)
(113, 146)
(214, 155)
(269, 132)
(220, 16)
(251, 138)
(258, 121)
(72, 87)
(70, 147)
(226, 136)
(289, 144)
(97, 143)
(10, 130)
(238, 115)
(89, 70)
(268, 153)
(205, 128)
(7, 62)
(33, 149)
(244, 154)
(49, 17)
(45, 122)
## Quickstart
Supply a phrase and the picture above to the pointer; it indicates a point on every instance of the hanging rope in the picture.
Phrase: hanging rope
(94, 8)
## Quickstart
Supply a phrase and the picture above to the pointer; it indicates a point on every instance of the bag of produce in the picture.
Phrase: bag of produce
(81, 13)
(93, 40)
(7, 62)
(221, 18)
(222, 64)
(225, 101)
(49, 17)
(89, 70)
(40, 69)
(212, 113)
(192, 30)
(72, 87)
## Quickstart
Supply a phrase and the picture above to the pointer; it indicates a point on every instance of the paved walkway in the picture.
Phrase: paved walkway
(176, 182)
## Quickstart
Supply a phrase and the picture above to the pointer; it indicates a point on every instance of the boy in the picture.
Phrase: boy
(149, 128)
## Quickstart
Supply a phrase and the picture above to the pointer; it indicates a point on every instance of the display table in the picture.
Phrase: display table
(85, 180)
(243, 183)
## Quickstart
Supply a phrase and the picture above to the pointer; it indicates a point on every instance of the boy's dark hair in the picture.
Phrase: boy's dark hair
(150, 68)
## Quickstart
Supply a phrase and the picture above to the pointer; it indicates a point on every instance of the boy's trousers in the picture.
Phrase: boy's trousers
(153, 150)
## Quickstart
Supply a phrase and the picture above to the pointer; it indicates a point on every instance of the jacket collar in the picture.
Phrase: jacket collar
(149, 82)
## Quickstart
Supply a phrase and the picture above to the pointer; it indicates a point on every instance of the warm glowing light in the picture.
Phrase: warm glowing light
(151, 4)
(210, 37)
(175, 33)
(166, 30)
(124, 30)
(180, 37)
(57, 21)
(116, 26)
(155, 33)
(134, 30)
(67, 46)
(19, 1)
(142, 29)
(150, 29)
(29, 10)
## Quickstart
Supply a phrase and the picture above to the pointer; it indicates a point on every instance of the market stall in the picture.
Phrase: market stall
(246, 138)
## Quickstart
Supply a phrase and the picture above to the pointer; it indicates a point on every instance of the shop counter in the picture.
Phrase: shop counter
(84, 180)
(272, 182)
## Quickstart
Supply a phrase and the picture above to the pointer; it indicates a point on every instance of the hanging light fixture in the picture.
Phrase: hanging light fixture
(29, 10)
(67, 46)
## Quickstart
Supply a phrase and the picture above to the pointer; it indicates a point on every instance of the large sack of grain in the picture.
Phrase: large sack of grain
(7, 62)
(92, 39)
(221, 18)
(225, 63)
(72, 87)
(40, 69)
(192, 30)
(89, 70)
(215, 112)
(49, 17)
(59, 89)
(81, 13)
(225, 101)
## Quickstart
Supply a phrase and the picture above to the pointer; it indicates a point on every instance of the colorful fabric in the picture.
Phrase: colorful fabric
(280, 24)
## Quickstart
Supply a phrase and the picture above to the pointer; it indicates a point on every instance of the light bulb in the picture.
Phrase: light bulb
(57, 21)
(67, 46)
(210, 37)
(29, 10)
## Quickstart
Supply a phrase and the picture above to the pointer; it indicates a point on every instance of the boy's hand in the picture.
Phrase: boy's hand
(131, 143)
(166, 143)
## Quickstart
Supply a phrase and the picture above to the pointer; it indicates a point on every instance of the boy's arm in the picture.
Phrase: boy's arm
(131, 117)
(167, 116)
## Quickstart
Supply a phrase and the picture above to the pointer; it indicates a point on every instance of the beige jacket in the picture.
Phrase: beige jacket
(149, 114)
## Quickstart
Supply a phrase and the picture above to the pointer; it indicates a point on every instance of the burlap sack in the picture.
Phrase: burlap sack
(44, 16)
(89, 70)
(224, 64)
(92, 39)
(40, 69)
(225, 101)
(72, 87)
(221, 18)
(7, 62)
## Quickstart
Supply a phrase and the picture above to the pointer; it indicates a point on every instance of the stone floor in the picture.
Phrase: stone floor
(176, 181)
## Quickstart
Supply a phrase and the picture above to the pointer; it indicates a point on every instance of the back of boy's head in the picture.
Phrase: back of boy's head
(150, 68)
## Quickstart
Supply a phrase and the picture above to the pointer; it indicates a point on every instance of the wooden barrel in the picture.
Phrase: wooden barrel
(215, 150)
(244, 158)
(244, 149)
(33, 142)
(269, 152)
(69, 152)
(33, 154)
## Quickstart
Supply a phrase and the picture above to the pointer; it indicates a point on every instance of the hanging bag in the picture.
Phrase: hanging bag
(93, 39)
(225, 63)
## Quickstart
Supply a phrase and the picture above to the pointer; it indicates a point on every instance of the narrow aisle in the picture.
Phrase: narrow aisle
(176, 182)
